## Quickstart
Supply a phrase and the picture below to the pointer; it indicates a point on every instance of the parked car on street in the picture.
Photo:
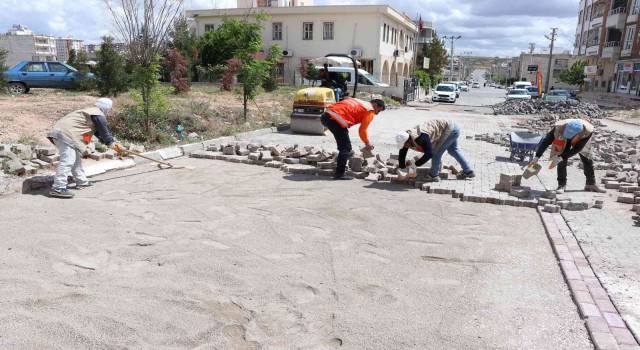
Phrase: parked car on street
(455, 86)
(560, 95)
(444, 92)
(37, 74)
(533, 91)
(475, 85)
(518, 94)
(463, 86)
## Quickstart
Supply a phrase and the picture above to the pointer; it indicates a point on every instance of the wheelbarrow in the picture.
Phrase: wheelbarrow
(523, 144)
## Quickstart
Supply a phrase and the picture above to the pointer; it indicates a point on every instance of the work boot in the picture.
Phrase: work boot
(342, 177)
(84, 185)
(431, 178)
(594, 188)
(60, 193)
(561, 189)
(464, 175)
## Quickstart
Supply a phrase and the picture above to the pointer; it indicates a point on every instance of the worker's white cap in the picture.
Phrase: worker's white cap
(105, 104)
(401, 138)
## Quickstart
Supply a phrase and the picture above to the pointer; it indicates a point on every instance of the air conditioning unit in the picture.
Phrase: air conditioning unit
(396, 53)
(355, 52)
(287, 53)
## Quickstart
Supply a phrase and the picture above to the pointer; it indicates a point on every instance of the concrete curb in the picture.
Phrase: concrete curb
(606, 327)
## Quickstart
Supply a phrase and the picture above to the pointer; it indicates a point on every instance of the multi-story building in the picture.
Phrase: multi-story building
(606, 35)
(540, 62)
(65, 45)
(379, 37)
(22, 44)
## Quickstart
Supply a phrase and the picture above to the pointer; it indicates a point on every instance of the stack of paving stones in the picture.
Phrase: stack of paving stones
(560, 109)
(363, 165)
(20, 159)
(604, 323)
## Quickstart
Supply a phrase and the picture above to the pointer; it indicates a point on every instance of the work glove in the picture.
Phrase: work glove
(555, 161)
(534, 161)
(116, 147)
(368, 146)
(413, 171)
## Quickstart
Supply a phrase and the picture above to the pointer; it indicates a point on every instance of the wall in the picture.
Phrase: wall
(20, 47)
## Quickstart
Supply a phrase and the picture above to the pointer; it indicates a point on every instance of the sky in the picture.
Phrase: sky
(488, 28)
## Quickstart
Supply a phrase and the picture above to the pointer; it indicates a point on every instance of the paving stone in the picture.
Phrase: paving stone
(520, 192)
(626, 198)
(624, 336)
(374, 177)
(551, 208)
(188, 148)
(243, 152)
(614, 319)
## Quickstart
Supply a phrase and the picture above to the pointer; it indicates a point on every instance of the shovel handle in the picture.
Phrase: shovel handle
(148, 158)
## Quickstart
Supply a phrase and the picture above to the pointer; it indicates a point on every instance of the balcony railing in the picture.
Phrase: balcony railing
(598, 14)
(612, 44)
(593, 42)
(617, 11)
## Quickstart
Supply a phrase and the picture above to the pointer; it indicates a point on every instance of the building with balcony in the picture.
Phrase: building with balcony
(65, 45)
(379, 37)
(23, 45)
(606, 36)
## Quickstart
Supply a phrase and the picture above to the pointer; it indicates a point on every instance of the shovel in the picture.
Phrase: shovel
(160, 163)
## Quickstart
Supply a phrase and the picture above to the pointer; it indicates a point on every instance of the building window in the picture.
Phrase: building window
(628, 37)
(307, 32)
(556, 72)
(327, 31)
(388, 30)
(384, 33)
(277, 31)
(209, 27)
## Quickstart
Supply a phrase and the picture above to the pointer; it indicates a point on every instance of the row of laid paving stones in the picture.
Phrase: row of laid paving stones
(604, 323)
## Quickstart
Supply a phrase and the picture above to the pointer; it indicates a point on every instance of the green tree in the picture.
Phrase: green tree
(573, 75)
(81, 63)
(185, 40)
(437, 54)
(178, 67)
(233, 38)
(254, 71)
(110, 71)
(72, 58)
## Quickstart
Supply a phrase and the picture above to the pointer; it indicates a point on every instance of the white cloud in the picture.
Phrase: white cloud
(488, 27)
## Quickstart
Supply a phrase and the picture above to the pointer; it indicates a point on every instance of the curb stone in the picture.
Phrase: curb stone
(606, 327)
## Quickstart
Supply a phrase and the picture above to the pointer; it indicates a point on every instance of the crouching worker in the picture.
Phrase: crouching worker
(339, 117)
(71, 135)
(433, 138)
(567, 138)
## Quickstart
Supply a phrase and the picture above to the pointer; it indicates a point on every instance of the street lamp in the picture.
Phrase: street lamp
(464, 65)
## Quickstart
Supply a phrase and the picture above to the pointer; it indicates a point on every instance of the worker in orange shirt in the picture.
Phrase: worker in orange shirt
(339, 117)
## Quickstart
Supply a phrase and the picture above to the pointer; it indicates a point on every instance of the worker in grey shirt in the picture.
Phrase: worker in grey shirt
(71, 135)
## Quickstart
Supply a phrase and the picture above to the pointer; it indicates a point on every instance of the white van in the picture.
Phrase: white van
(521, 84)
(364, 77)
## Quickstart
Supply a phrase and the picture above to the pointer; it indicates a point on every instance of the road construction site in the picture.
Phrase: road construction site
(239, 253)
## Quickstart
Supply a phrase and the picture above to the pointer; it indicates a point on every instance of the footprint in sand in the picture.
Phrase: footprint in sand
(288, 256)
(88, 262)
(372, 252)
(377, 293)
(215, 244)
(301, 294)
(236, 334)
(311, 231)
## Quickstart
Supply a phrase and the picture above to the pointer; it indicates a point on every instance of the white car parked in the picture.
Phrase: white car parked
(518, 94)
(444, 92)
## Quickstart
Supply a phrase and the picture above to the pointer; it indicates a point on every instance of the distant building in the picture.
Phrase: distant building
(23, 45)
(65, 45)
(540, 61)
(378, 36)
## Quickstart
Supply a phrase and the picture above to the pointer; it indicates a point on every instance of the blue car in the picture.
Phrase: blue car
(36, 74)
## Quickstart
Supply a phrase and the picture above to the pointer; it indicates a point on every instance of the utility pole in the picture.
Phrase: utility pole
(465, 64)
(553, 38)
(532, 47)
(453, 39)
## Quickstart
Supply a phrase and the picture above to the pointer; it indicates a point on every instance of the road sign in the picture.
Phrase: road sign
(532, 68)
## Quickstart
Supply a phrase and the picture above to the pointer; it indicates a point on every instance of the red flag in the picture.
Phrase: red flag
(420, 24)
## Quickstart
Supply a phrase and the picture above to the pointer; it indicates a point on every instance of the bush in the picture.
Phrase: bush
(3, 67)
(111, 75)
(178, 67)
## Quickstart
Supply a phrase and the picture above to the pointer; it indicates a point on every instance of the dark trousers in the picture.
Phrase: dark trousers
(588, 171)
(342, 139)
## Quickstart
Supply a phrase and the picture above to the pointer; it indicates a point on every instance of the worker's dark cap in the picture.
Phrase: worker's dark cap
(379, 102)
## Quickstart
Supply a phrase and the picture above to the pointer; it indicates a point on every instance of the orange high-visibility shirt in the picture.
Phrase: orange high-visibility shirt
(352, 111)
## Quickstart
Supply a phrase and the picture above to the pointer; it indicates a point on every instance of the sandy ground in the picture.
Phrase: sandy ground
(233, 256)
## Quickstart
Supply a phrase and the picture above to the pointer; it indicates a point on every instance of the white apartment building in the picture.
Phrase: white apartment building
(24, 45)
(378, 36)
(65, 45)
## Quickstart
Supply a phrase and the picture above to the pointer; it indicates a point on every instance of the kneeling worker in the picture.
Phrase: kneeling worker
(567, 138)
(339, 117)
(433, 138)
(71, 135)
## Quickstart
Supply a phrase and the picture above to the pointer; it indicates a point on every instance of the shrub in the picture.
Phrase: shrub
(178, 67)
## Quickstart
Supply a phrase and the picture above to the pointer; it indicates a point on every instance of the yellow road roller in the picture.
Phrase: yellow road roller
(309, 103)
